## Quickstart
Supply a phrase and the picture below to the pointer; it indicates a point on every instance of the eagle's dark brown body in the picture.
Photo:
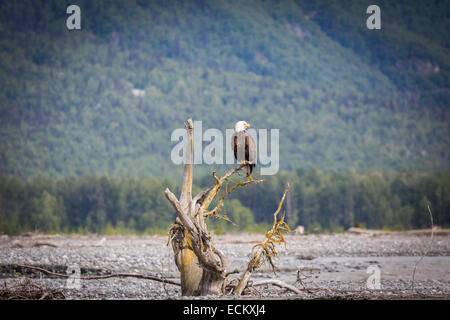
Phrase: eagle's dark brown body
(244, 148)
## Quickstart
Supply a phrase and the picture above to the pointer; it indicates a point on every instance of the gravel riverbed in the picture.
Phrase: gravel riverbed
(330, 266)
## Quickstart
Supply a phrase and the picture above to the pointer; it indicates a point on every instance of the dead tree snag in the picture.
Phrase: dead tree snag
(203, 268)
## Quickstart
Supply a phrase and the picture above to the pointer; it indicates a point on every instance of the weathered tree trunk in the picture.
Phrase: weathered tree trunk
(202, 267)
(185, 258)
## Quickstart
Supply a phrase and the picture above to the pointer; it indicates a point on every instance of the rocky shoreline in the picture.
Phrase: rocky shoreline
(329, 266)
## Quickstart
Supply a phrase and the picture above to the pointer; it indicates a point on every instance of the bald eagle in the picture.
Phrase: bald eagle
(244, 147)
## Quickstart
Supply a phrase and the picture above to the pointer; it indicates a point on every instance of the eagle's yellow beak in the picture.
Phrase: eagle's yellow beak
(247, 125)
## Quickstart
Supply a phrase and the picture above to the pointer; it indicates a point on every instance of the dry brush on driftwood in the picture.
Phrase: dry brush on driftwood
(203, 267)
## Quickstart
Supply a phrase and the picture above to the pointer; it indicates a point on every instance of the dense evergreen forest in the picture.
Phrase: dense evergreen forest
(86, 115)
(321, 201)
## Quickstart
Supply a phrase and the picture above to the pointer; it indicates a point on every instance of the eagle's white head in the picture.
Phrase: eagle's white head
(241, 126)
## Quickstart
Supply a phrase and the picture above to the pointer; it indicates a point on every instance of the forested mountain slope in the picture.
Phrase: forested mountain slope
(342, 96)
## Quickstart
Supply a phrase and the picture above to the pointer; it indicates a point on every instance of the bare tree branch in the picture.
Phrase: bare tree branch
(277, 283)
(186, 191)
(179, 210)
(266, 248)
(113, 275)
(215, 190)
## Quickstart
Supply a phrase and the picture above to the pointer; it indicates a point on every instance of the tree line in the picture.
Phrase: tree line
(320, 201)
